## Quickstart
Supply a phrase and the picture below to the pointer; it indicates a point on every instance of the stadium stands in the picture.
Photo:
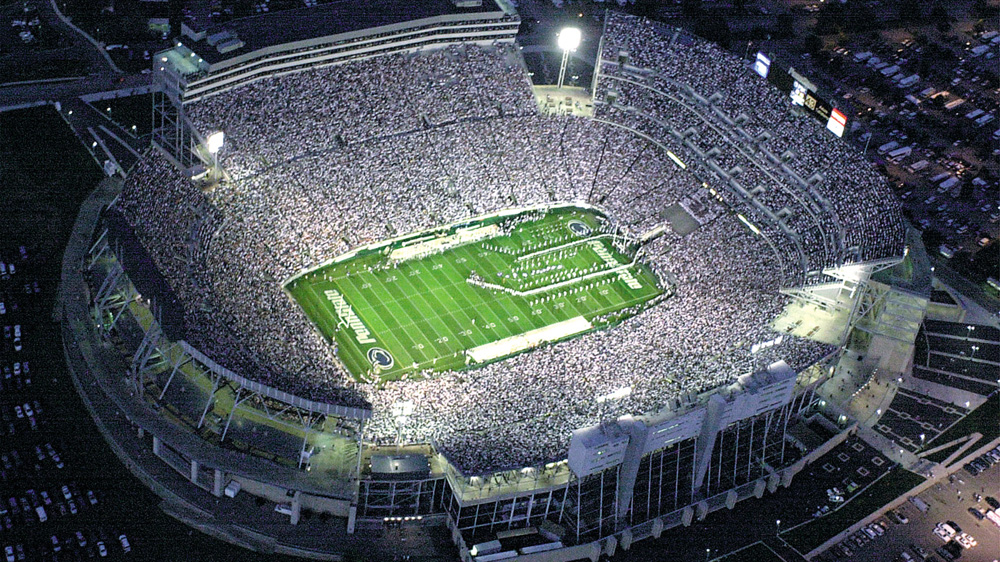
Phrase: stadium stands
(327, 159)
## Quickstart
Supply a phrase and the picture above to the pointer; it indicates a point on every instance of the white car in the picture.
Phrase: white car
(944, 532)
(18, 412)
(966, 540)
(101, 549)
(125, 544)
(9, 551)
(66, 493)
(27, 410)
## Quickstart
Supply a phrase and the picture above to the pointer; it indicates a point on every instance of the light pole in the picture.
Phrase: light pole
(213, 144)
(569, 40)
(708, 554)
(778, 525)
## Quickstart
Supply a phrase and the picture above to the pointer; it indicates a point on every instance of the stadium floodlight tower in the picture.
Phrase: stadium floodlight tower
(569, 40)
(213, 144)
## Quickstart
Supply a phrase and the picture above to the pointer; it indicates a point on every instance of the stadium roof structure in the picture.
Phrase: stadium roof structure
(260, 31)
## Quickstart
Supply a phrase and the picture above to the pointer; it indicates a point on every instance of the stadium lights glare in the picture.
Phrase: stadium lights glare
(569, 39)
(214, 142)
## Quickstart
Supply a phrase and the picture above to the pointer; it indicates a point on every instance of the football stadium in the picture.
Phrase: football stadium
(403, 287)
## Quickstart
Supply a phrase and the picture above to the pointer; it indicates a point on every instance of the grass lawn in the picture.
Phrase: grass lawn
(943, 454)
(758, 552)
(985, 419)
(475, 292)
(894, 484)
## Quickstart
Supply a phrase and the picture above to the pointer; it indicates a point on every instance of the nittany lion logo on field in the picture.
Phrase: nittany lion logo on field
(579, 228)
(380, 358)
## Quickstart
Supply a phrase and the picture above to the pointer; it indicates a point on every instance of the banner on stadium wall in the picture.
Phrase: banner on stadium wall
(762, 65)
(837, 122)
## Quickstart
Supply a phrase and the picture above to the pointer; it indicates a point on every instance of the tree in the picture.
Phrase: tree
(691, 8)
(714, 28)
(932, 238)
(829, 19)
(813, 44)
(908, 11)
(984, 9)
(784, 26)
(938, 14)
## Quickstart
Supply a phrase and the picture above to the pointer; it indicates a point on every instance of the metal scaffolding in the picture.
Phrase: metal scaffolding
(173, 133)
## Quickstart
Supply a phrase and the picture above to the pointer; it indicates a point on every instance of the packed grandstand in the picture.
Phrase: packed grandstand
(323, 161)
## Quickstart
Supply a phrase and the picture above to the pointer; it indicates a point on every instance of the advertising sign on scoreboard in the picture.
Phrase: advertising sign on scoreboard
(837, 122)
(820, 108)
(798, 93)
(762, 65)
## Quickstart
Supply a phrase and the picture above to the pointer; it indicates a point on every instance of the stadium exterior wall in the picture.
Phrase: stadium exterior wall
(771, 402)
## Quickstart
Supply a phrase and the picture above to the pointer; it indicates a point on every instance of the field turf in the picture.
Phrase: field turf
(394, 315)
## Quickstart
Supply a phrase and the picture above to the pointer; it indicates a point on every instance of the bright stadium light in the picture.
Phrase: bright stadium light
(214, 142)
(568, 39)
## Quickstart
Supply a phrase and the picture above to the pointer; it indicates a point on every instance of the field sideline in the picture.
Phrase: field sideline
(497, 287)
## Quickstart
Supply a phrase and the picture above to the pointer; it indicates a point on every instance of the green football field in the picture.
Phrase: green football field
(474, 293)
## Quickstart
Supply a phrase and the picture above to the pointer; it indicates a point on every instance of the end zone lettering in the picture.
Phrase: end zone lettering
(346, 313)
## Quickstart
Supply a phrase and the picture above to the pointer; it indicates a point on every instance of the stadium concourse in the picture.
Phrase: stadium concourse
(325, 160)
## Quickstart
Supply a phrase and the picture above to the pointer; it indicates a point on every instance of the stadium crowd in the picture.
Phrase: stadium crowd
(651, 67)
(326, 160)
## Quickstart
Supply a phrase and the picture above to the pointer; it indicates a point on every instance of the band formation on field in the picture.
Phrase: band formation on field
(475, 292)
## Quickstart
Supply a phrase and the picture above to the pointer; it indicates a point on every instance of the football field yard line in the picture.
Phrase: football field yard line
(500, 299)
(403, 351)
(440, 316)
(434, 312)
(520, 313)
(484, 307)
(416, 354)
(425, 312)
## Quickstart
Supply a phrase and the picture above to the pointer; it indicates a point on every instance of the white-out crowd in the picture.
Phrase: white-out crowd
(329, 159)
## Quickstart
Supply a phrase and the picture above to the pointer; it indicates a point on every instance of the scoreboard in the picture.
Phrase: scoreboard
(802, 92)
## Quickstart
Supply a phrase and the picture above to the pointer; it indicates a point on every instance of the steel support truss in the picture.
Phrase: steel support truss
(149, 358)
(173, 132)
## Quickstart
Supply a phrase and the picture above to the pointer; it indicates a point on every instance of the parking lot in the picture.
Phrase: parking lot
(55, 442)
(46, 510)
(948, 501)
